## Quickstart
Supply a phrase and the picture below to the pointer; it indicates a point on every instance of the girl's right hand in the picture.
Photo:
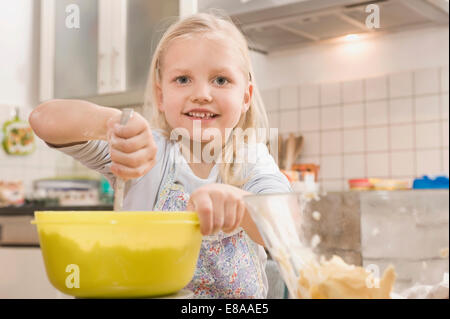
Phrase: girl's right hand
(132, 148)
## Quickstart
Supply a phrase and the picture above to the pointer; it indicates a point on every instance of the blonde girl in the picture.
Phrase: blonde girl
(200, 77)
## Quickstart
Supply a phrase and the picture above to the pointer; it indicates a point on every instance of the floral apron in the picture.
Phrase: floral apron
(227, 266)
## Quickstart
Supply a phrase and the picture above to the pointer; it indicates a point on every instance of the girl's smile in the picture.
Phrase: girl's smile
(201, 114)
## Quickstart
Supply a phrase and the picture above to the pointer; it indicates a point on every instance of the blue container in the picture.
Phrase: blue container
(440, 182)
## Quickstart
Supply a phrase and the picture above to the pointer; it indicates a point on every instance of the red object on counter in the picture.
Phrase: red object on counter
(361, 184)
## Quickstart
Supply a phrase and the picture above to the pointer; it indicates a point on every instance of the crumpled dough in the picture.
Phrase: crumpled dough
(334, 279)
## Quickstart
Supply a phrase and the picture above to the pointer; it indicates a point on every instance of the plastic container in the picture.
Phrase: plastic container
(440, 182)
(381, 184)
(106, 254)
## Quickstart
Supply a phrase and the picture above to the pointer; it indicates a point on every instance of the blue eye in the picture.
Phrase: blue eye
(182, 79)
(220, 80)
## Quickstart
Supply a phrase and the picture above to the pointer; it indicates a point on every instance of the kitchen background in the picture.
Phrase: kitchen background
(369, 104)
(368, 107)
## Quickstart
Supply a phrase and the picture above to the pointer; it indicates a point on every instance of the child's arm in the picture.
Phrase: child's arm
(62, 122)
(132, 150)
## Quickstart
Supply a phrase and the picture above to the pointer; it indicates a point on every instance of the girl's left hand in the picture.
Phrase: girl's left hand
(219, 207)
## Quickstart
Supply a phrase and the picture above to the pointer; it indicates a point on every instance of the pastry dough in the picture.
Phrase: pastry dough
(334, 279)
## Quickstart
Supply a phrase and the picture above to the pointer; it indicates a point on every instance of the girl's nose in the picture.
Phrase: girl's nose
(201, 94)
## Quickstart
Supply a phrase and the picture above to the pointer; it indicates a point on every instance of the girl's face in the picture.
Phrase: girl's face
(202, 80)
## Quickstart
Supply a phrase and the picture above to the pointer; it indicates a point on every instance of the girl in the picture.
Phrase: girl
(200, 75)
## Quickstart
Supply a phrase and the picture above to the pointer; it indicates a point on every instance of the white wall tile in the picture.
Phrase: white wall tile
(428, 162)
(38, 173)
(444, 79)
(49, 172)
(331, 142)
(401, 84)
(63, 161)
(331, 167)
(3, 156)
(310, 119)
(445, 133)
(427, 108)
(5, 171)
(428, 135)
(311, 143)
(270, 98)
(401, 110)
(445, 160)
(353, 140)
(6, 112)
(309, 95)
(289, 121)
(8, 161)
(377, 139)
(288, 97)
(50, 157)
(352, 91)
(376, 88)
(402, 163)
(23, 162)
(377, 113)
(378, 165)
(330, 93)
(354, 166)
(332, 186)
(402, 137)
(426, 81)
(353, 115)
(444, 106)
(331, 117)
(309, 159)
(273, 119)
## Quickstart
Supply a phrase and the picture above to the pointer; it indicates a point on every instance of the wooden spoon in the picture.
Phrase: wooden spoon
(298, 146)
(290, 150)
(280, 157)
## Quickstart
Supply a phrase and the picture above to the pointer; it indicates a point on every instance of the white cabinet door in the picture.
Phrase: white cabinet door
(112, 46)
(118, 45)
(83, 61)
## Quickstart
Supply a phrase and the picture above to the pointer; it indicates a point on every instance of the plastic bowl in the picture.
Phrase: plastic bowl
(106, 254)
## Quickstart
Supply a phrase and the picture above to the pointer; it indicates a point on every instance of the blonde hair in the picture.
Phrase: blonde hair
(255, 117)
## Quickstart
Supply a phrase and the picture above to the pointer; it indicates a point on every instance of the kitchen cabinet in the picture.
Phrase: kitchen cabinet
(100, 50)
(111, 46)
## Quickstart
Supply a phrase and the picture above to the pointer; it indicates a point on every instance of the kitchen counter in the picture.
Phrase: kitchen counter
(408, 229)
(28, 210)
(15, 223)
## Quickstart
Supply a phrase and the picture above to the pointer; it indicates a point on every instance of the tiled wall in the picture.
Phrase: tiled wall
(42, 163)
(392, 126)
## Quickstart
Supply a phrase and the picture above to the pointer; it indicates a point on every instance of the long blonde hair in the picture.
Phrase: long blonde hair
(201, 23)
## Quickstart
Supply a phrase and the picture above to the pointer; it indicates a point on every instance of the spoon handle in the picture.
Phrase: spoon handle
(120, 183)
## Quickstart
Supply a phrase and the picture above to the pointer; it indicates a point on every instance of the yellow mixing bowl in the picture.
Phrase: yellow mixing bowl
(106, 254)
